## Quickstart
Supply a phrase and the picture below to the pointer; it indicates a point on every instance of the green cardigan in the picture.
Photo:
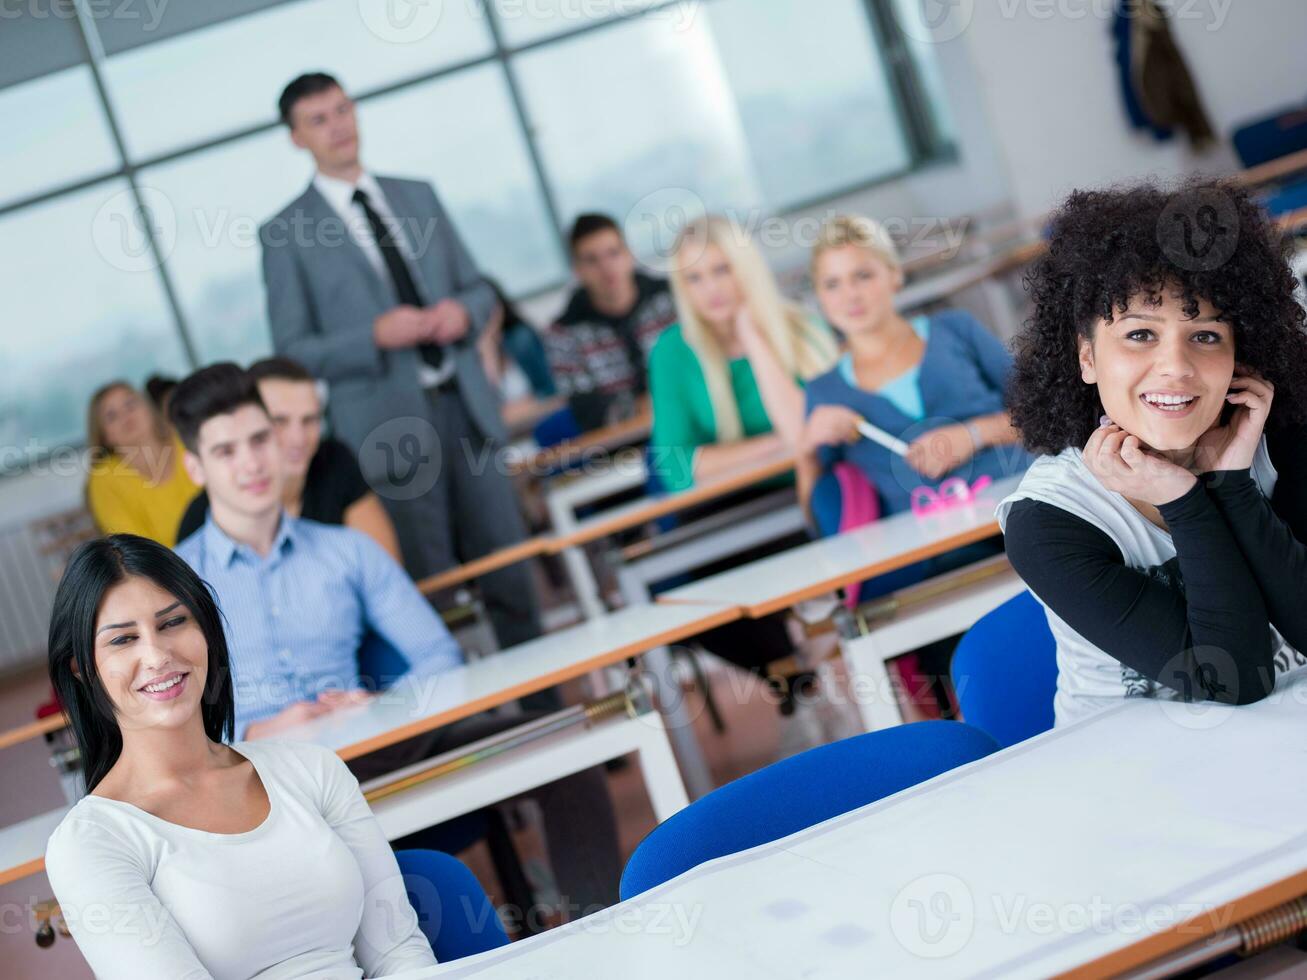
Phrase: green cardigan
(683, 415)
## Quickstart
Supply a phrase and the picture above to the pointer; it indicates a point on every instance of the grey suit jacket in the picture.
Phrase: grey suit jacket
(323, 296)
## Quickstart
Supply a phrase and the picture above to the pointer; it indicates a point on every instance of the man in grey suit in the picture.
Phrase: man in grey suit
(371, 289)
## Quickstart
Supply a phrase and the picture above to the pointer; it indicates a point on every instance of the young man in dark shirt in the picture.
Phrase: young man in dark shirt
(599, 346)
(322, 479)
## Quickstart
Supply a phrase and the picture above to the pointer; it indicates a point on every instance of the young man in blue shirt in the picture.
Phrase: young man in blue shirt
(300, 598)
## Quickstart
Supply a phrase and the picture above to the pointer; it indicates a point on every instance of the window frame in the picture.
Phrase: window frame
(916, 118)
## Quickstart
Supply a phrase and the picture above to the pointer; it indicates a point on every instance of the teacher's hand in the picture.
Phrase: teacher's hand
(449, 321)
(402, 326)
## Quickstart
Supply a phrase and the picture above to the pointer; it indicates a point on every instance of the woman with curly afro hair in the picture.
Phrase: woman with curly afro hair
(1163, 378)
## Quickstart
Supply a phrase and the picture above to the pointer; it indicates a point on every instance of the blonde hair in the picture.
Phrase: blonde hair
(855, 229)
(803, 348)
(95, 439)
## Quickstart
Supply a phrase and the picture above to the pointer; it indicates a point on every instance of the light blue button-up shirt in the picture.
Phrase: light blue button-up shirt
(295, 620)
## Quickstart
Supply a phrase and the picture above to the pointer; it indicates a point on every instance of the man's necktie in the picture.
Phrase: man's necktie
(405, 290)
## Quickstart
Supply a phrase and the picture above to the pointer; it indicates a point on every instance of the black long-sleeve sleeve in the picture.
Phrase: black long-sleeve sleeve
(1206, 636)
(1271, 533)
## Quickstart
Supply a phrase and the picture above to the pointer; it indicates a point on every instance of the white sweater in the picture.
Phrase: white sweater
(313, 891)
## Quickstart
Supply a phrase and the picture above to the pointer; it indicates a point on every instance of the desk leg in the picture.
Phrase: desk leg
(869, 680)
(662, 777)
(575, 563)
(675, 711)
(670, 696)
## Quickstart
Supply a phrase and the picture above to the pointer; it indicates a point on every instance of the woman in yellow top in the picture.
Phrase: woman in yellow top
(137, 484)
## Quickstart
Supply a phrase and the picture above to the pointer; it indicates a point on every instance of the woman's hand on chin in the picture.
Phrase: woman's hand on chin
(1122, 464)
(1233, 445)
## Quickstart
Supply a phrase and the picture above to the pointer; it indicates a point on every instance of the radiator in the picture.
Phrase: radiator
(26, 595)
(32, 556)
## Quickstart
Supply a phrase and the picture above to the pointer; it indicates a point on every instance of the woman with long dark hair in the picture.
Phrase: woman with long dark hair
(190, 857)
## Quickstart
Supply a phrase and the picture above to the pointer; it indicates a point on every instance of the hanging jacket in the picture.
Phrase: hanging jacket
(1159, 82)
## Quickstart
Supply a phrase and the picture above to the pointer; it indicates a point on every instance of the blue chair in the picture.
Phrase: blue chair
(800, 791)
(380, 665)
(453, 909)
(1272, 137)
(556, 427)
(1284, 199)
(1005, 671)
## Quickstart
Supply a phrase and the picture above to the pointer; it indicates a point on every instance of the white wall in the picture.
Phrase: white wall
(1046, 74)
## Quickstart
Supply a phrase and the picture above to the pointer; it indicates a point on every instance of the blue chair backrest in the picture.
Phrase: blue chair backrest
(800, 791)
(1272, 136)
(1005, 671)
(453, 909)
(1284, 199)
(380, 664)
(559, 426)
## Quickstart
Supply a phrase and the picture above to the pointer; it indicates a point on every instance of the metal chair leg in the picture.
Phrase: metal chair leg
(508, 869)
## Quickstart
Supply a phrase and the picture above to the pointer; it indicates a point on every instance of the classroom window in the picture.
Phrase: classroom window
(64, 135)
(221, 79)
(521, 113)
(64, 335)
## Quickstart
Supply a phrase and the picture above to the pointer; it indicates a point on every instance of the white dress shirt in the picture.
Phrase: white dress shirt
(340, 195)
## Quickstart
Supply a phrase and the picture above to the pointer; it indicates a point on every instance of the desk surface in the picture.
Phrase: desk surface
(624, 433)
(778, 581)
(427, 702)
(530, 548)
(1097, 847)
(422, 703)
(640, 512)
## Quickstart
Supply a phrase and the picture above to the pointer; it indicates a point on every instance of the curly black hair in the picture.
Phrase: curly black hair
(1201, 240)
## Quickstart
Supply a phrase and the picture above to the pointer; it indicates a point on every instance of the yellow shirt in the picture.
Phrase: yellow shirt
(124, 501)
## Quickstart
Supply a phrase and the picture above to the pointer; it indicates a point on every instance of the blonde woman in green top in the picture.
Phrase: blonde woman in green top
(726, 379)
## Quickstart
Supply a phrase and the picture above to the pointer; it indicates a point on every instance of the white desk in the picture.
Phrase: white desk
(947, 613)
(779, 581)
(423, 703)
(1086, 847)
(627, 472)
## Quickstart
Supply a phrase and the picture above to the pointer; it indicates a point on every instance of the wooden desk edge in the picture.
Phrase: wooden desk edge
(724, 614)
(10, 875)
(530, 548)
(24, 733)
(1193, 930)
(618, 434)
(671, 503)
(761, 609)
